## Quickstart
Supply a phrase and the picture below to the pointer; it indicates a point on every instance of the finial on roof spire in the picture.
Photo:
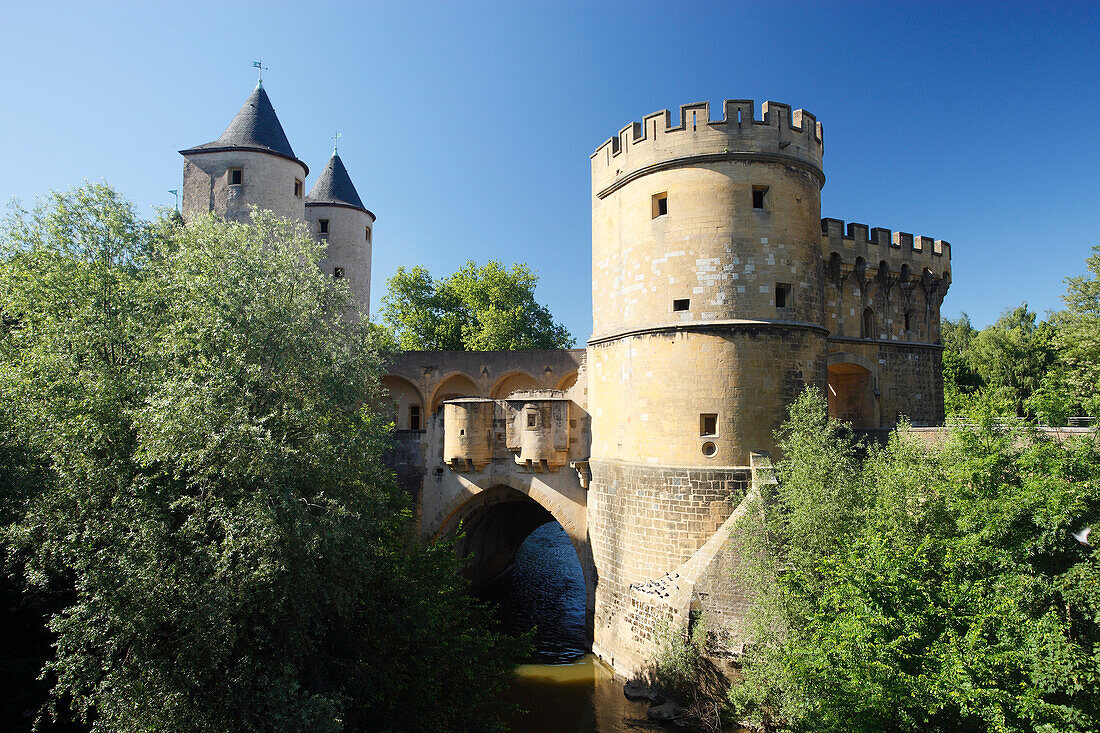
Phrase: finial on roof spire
(336, 141)
(259, 65)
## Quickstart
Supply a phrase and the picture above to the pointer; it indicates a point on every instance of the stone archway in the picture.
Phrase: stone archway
(407, 408)
(851, 392)
(512, 382)
(455, 385)
(566, 383)
(495, 521)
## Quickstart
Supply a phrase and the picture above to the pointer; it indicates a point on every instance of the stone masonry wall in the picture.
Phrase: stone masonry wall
(712, 250)
(908, 378)
(652, 519)
(347, 247)
(648, 392)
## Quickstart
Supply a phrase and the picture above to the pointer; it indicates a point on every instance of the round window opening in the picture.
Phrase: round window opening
(709, 449)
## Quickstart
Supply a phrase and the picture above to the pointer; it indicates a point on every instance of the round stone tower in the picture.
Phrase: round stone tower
(336, 215)
(707, 322)
(251, 164)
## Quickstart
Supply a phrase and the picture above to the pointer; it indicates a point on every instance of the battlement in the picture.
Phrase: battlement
(779, 133)
(876, 244)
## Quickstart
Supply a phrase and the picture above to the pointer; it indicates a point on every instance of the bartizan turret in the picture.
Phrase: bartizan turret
(336, 215)
(251, 164)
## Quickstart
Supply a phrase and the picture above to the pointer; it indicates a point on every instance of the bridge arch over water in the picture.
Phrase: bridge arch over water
(497, 513)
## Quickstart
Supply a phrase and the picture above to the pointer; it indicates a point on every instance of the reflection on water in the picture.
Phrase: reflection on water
(579, 697)
(563, 688)
(545, 590)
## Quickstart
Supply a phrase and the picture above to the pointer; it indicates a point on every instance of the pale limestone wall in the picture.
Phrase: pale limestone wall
(267, 183)
(712, 247)
(488, 373)
(347, 247)
(892, 274)
(404, 395)
(778, 134)
(647, 392)
(504, 499)
(497, 497)
(662, 481)
(468, 436)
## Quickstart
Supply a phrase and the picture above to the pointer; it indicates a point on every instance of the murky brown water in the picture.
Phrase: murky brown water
(564, 688)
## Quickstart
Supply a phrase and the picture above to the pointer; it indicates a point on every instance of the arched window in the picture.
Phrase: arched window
(908, 322)
(867, 326)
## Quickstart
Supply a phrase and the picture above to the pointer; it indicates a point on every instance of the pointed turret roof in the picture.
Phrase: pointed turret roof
(256, 127)
(334, 187)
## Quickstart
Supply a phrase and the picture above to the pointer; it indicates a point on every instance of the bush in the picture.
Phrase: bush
(925, 589)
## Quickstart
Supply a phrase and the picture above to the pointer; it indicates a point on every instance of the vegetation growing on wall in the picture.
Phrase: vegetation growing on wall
(192, 495)
(922, 589)
(478, 308)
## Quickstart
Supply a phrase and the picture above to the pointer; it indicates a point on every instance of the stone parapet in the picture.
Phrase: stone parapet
(779, 135)
(877, 244)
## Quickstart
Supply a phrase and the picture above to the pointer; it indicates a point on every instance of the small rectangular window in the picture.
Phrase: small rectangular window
(338, 273)
(758, 196)
(681, 304)
(414, 417)
(368, 234)
(236, 176)
(782, 295)
(298, 188)
(708, 424)
(532, 420)
(660, 204)
(322, 226)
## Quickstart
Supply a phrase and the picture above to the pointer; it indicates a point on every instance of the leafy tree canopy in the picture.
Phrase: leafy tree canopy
(1077, 335)
(924, 589)
(478, 308)
(1049, 370)
(198, 491)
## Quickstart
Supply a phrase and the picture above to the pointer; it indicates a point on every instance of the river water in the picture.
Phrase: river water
(563, 687)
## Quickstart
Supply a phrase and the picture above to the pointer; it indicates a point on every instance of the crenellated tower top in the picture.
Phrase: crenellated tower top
(642, 147)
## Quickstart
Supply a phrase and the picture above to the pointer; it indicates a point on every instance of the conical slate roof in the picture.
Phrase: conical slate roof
(334, 187)
(256, 127)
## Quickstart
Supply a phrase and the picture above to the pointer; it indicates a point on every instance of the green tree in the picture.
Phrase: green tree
(222, 547)
(960, 378)
(482, 308)
(1009, 359)
(1078, 335)
(946, 592)
(1013, 354)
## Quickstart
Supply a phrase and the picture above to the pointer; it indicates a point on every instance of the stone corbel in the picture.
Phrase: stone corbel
(584, 472)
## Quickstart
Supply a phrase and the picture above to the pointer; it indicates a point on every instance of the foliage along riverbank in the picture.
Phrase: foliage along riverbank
(193, 496)
(918, 589)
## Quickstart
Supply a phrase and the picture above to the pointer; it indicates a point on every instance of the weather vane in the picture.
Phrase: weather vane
(175, 192)
(336, 141)
(259, 65)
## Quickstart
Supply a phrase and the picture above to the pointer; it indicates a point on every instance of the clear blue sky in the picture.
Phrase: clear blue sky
(467, 127)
